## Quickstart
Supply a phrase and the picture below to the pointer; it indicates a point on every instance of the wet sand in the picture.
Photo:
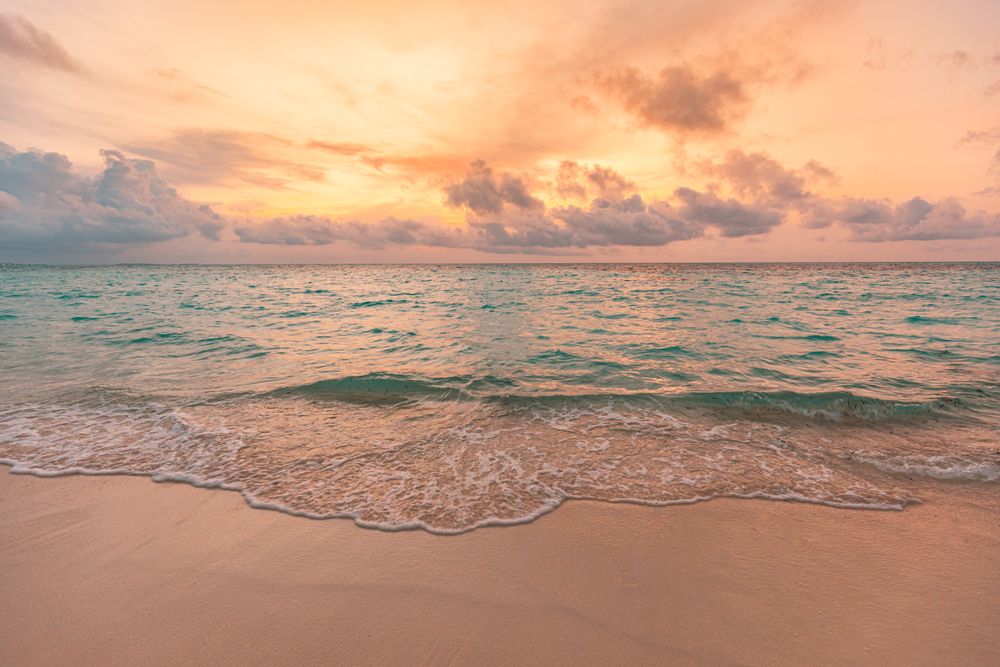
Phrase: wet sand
(119, 570)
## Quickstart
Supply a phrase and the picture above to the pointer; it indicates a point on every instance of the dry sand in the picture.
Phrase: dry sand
(118, 570)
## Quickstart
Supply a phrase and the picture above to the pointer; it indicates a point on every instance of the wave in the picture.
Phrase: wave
(828, 406)
(501, 459)
(374, 387)
(938, 467)
(831, 405)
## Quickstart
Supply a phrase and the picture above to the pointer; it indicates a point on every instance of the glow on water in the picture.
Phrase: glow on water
(455, 396)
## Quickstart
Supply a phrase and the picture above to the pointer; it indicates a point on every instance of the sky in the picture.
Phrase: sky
(463, 131)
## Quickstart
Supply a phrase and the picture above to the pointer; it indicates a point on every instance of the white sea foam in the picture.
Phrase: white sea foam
(454, 469)
(938, 467)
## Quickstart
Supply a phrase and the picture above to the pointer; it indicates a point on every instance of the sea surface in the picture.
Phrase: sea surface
(453, 397)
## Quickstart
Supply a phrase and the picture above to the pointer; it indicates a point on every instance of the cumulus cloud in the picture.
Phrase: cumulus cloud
(43, 200)
(614, 217)
(680, 98)
(628, 222)
(764, 194)
(577, 181)
(731, 217)
(770, 191)
(622, 222)
(503, 217)
(760, 176)
(483, 192)
(22, 41)
(702, 95)
(914, 220)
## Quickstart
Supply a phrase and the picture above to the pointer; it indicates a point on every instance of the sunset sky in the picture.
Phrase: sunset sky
(499, 131)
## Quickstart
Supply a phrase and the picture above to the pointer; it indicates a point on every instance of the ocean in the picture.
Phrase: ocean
(458, 396)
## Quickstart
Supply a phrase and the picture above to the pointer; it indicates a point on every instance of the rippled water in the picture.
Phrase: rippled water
(450, 397)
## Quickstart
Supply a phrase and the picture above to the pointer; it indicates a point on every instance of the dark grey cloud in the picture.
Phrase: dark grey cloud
(44, 201)
(484, 192)
(22, 41)
(680, 98)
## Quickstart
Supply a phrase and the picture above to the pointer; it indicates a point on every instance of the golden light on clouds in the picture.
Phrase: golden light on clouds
(314, 130)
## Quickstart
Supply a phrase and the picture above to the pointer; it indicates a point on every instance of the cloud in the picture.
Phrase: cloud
(985, 138)
(621, 222)
(22, 41)
(339, 147)
(761, 177)
(680, 99)
(181, 87)
(957, 60)
(195, 155)
(321, 230)
(574, 180)
(44, 201)
(960, 60)
(483, 192)
(731, 217)
(624, 222)
(703, 95)
(768, 192)
(874, 220)
(876, 54)
(506, 224)
(503, 217)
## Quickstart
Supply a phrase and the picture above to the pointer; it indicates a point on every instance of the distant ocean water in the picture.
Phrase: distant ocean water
(451, 397)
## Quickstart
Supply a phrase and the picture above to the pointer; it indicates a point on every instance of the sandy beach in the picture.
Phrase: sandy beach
(119, 570)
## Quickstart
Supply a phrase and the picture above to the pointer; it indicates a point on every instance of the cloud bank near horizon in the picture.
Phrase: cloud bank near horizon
(44, 201)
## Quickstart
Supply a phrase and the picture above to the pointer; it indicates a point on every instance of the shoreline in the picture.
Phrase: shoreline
(113, 570)
(16, 468)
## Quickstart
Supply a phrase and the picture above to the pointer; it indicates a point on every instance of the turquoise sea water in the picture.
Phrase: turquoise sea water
(449, 397)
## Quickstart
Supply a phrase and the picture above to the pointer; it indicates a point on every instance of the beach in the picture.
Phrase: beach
(120, 570)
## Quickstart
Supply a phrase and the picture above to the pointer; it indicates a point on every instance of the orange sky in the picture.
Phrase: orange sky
(649, 131)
